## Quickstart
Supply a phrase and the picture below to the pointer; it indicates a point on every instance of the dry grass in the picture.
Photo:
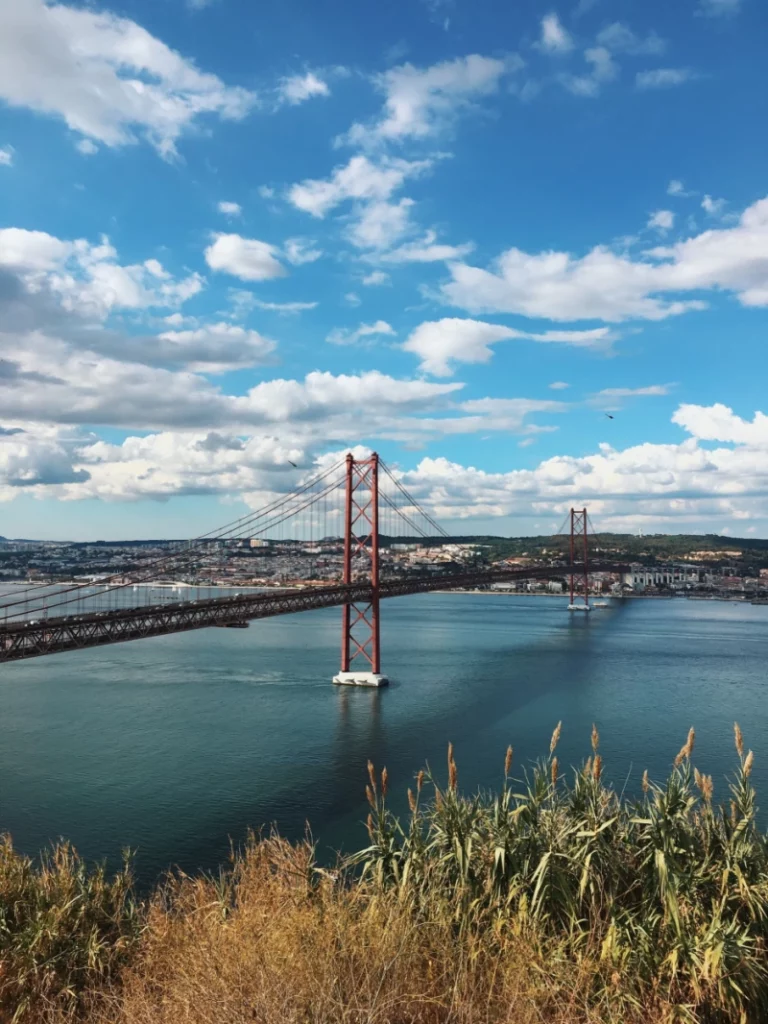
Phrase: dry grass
(552, 902)
(273, 944)
(64, 929)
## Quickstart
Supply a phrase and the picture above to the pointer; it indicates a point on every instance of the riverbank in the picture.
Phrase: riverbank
(555, 901)
(238, 588)
(613, 599)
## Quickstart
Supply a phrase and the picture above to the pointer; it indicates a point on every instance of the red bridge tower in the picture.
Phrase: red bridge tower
(579, 553)
(360, 638)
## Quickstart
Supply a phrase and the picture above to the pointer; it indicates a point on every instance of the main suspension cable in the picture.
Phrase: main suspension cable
(412, 500)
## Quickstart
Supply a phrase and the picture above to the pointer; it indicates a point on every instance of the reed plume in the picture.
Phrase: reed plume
(453, 775)
(687, 748)
(555, 737)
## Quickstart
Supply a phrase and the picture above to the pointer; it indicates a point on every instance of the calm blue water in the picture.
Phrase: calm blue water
(174, 745)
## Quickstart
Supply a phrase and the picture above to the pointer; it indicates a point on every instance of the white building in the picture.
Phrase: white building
(673, 576)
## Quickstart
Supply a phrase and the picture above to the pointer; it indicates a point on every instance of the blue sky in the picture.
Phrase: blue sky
(233, 235)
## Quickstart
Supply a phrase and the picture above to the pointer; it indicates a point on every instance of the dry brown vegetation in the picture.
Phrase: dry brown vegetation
(272, 945)
(552, 902)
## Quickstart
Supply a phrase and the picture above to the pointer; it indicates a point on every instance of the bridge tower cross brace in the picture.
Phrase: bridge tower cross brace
(580, 551)
(360, 632)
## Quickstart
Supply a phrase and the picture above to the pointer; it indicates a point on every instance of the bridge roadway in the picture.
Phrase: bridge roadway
(21, 639)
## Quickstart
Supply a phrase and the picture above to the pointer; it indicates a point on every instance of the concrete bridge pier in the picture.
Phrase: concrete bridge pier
(375, 679)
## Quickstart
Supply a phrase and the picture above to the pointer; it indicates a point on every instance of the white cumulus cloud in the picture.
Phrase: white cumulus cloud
(603, 68)
(555, 38)
(300, 250)
(422, 102)
(32, 250)
(427, 250)
(376, 278)
(714, 207)
(283, 307)
(295, 89)
(380, 224)
(87, 279)
(217, 348)
(605, 286)
(345, 336)
(662, 220)
(441, 343)
(246, 258)
(677, 188)
(106, 77)
(359, 179)
(611, 399)
(663, 78)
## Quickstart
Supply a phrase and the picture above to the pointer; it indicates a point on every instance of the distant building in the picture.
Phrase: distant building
(674, 576)
(731, 582)
(711, 556)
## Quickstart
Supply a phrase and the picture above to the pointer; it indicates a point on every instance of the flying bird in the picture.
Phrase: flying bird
(609, 416)
(296, 467)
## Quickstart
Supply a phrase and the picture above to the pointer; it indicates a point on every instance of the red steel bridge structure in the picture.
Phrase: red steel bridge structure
(359, 500)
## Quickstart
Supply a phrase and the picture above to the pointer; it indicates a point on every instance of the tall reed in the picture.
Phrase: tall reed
(666, 895)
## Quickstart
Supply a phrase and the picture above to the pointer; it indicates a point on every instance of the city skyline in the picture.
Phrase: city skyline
(521, 251)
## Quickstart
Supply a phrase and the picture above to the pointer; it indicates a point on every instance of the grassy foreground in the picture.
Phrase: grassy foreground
(551, 902)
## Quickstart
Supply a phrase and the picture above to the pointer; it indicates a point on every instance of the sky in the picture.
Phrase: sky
(518, 248)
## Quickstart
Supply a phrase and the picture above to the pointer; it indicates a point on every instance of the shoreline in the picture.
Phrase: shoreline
(487, 593)
(606, 597)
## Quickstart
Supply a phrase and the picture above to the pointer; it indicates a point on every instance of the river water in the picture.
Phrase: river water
(174, 746)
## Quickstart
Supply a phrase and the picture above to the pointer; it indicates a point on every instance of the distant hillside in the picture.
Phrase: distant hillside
(655, 547)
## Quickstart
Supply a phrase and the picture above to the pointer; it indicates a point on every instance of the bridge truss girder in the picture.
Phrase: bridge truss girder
(23, 639)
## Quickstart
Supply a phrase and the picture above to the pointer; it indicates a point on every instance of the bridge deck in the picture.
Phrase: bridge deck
(34, 638)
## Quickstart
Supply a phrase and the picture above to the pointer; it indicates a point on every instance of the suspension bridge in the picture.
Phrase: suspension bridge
(358, 507)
